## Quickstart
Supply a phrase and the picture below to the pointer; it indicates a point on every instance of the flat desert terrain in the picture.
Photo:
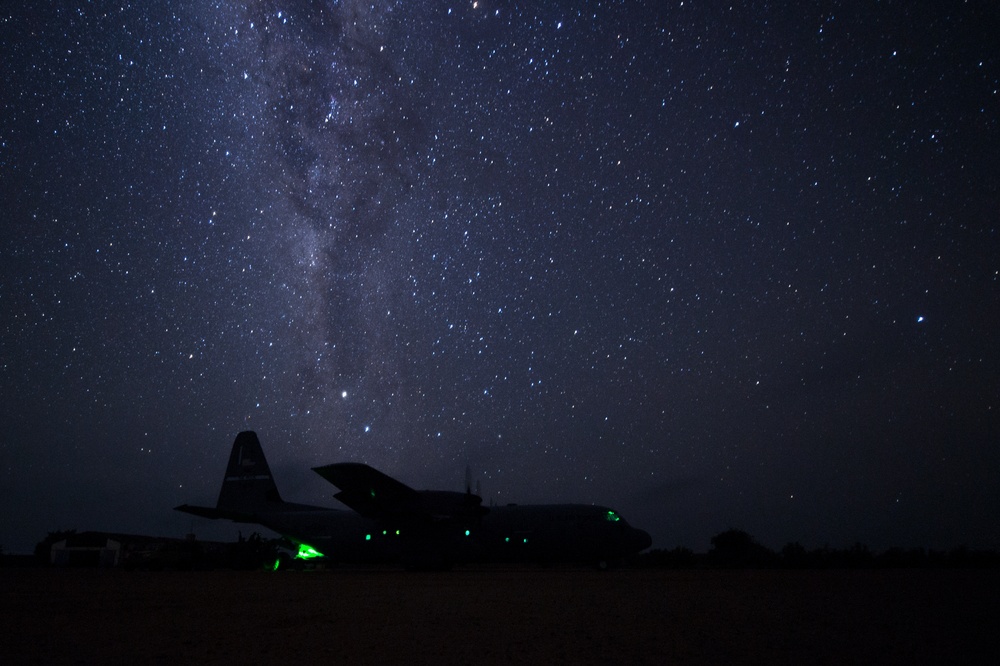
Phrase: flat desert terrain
(500, 615)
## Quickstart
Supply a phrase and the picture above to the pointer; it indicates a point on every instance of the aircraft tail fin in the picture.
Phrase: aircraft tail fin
(248, 489)
(248, 486)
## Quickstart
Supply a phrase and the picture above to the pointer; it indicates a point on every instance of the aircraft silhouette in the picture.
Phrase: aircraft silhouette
(390, 521)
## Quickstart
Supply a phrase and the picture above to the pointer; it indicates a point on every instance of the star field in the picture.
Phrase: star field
(713, 266)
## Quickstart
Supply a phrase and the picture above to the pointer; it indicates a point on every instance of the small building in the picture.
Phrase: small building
(87, 549)
(135, 551)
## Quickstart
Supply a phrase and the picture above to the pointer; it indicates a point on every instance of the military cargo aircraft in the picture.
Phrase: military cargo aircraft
(391, 521)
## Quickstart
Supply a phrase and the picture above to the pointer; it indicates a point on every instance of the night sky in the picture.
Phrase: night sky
(717, 267)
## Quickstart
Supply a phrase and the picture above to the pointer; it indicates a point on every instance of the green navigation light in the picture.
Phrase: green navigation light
(467, 532)
(611, 517)
(368, 537)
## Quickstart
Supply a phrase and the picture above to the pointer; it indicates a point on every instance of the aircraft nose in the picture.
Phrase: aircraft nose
(642, 539)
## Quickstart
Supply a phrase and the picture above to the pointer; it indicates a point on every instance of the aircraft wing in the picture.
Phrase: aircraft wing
(371, 493)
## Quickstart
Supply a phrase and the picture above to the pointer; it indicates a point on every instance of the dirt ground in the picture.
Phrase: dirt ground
(485, 616)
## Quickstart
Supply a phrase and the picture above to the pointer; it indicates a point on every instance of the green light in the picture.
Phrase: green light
(384, 532)
(372, 492)
(368, 537)
(611, 517)
(525, 540)
(277, 563)
(467, 532)
(307, 552)
(397, 532)
(506, 539)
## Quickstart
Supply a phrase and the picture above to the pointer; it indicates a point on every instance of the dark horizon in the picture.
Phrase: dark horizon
(259, 548)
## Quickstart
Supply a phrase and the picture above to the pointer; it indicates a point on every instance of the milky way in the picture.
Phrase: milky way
(342, 145)
(716, 267)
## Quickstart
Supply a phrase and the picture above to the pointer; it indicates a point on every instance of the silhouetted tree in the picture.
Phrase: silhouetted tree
(794, 556)
(736, 548)
(899, 558)
(859, 556)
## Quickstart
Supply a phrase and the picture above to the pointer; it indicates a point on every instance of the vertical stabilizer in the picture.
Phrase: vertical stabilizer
(248, 485)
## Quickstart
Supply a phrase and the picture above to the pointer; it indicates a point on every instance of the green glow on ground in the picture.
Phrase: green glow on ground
(307, 552)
